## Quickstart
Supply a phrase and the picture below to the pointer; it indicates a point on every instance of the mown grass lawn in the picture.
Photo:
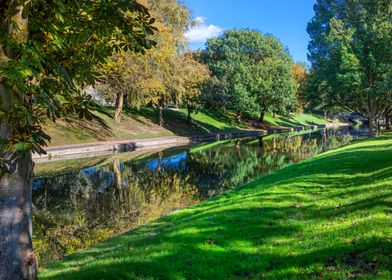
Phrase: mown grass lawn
(143, 123)
(329, 217)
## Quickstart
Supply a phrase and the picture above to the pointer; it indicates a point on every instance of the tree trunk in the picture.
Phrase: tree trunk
(325, 114)
(17, 259)
(261, 119)
(372, 126)
(160, 108)
(125, 101)
(238, 144)
(274, 115)
(261, 142)
(189, 114)
(119, 106)
(160, 156)
(238, 117)
(117, 176)
(325, 136)
(387, 121)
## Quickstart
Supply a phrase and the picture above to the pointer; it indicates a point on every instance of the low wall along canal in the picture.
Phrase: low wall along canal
(110, 147)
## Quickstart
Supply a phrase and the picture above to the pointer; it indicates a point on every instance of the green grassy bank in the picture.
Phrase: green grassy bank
(329, 217)
(144, 124)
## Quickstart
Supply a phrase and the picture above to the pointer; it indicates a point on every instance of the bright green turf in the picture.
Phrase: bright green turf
(294, 120)
(210, 121)
(329, 217)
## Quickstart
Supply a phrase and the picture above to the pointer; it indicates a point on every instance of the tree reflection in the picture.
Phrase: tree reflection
(83, 207)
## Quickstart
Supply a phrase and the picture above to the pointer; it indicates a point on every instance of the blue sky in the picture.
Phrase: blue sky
(285, 19)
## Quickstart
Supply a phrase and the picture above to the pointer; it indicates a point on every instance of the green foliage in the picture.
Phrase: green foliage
(48, 54)
(317, 94)
(153, 77)
(122, 74)
(191, 79)
(251, 72)
(351, 54)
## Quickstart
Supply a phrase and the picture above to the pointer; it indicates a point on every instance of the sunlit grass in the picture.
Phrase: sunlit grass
(294, 120)
(329, 217)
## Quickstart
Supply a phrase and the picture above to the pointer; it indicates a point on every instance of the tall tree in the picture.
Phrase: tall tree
(299, 75)
(47, 51)
(191, 77)
(172, 19)
(120, 79)
(158, 80)
(275, 86)
(350, 49)
(252, 71)
(149, 78)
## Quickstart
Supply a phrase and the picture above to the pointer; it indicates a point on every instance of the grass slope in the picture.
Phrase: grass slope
(144, 124)
(329, 217)
(295, 120)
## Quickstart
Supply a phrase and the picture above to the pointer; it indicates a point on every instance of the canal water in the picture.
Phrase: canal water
(80, 202)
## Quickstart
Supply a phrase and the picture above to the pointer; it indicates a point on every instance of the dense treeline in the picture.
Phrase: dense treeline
(243, 71)
(164, 75)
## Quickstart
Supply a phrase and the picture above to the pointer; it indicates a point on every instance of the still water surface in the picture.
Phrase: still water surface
(81, 202)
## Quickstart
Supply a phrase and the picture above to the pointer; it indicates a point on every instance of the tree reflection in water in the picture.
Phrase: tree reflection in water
(84, 206)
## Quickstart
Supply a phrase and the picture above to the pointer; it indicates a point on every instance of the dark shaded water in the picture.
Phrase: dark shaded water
(79, 203)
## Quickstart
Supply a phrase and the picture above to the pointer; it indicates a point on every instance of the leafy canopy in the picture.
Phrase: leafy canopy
(151, 77)
(351, 54)
(252, 71)
(192, 76)
(47, 52)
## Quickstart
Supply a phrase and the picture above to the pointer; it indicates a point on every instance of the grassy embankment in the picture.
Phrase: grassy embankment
(329, 217)
(144, 124)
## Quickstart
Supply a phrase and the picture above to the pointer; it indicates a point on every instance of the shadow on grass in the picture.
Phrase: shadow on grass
(287, 122)
(291, 121)
(98, 129)
(176, 121)
(326, 218)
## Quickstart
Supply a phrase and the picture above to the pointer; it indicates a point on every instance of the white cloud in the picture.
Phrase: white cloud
(199, 32)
